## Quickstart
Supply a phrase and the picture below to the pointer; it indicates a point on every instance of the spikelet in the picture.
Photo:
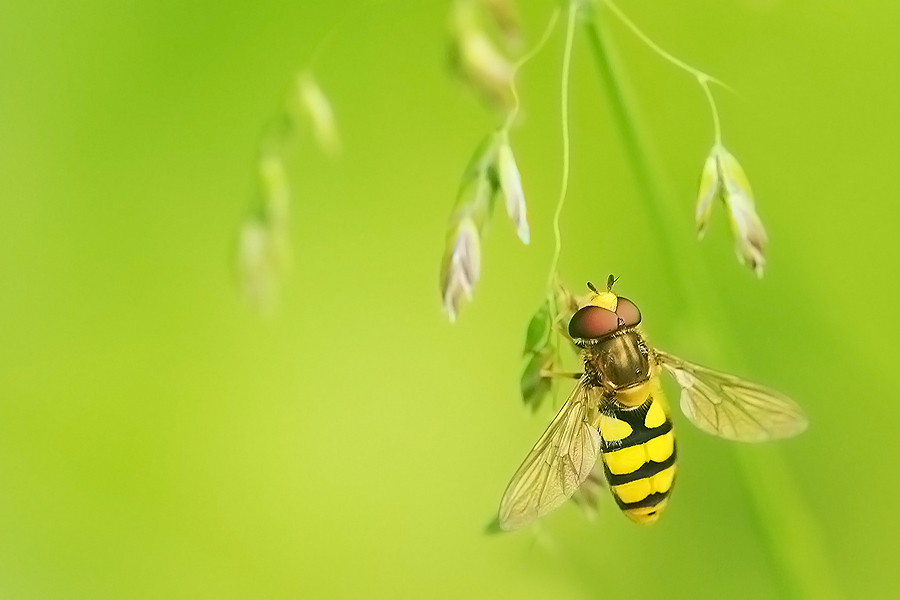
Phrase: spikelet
(316, 108)
(511, 186)
(476, 56)
(461, 264)
(724, 178)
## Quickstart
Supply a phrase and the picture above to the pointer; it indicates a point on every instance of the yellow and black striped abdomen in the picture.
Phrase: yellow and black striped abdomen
(638, 453)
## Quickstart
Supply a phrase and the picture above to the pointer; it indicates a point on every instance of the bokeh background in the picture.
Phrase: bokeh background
(158, 439)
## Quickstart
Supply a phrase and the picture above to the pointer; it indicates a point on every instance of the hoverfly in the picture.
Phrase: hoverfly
(617, 413)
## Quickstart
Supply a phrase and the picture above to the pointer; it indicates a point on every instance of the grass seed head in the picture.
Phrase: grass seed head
(275, 189)
(724, 177)
(485, 68)
(749, 234)
(461, 264)
(258, 264)
(476, 57)
(511, 185)
(710, 189)
(461, 267)
(505, 14)
(317, 109)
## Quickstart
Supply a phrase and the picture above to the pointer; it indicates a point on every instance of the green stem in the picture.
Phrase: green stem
(564, 186)
(564, 98)
(717, 126)
(654, 46)
(782, 518)
(517, 105)
(703, 78)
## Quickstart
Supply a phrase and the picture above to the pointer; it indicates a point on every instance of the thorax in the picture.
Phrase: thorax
(621, 365)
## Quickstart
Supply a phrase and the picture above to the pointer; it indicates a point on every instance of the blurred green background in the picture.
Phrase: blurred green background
(159, 440)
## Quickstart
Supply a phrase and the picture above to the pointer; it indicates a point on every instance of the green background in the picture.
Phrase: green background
(159, 440)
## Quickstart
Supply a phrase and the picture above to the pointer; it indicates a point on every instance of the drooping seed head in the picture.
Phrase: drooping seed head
(710, 188)
(506, 16)
(259, 264)
(461, 268)
(314, 103)
(476, 58)
(723, 177)
(275, 189)
(750, 237)
(511, 185)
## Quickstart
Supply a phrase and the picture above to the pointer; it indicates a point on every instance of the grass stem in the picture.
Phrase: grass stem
(517, 105)
(703, 78)
(782, 518)
(564, 96)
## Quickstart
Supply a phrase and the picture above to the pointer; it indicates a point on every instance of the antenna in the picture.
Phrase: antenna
(611, 281)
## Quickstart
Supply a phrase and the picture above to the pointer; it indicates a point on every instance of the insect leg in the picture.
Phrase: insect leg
(561, 374)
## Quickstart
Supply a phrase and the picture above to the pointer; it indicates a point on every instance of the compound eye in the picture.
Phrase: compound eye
(628, 312)
(593, 322)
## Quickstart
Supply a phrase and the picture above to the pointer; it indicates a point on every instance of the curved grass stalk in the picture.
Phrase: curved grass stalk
(552, 277)
(703, 78)
(564, 187)
(790, 535)
(517, 105)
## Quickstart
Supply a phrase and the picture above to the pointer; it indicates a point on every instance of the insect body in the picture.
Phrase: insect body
(618, 413)
(638, 453)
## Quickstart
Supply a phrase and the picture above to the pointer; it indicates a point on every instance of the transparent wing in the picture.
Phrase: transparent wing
(560, 461)
(731, 408)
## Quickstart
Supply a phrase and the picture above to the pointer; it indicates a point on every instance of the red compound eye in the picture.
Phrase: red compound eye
(628, 312)
(593, 322)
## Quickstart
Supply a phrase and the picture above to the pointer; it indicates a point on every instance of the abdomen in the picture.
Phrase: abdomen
(638, 452)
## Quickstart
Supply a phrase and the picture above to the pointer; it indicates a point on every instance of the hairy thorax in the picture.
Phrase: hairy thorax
(620, 364)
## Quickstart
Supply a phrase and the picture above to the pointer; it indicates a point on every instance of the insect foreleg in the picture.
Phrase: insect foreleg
(561, 374)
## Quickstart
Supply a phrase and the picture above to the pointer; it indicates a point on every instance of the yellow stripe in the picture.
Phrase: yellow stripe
(660, 448)
(613, 429)
(634, 396)
(626, 460)
(629, 460)
(633, 491)
(656, 415)
(662, 481)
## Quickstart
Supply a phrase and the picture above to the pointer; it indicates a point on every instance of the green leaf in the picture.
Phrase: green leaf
(538, 333)
(534, 385)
